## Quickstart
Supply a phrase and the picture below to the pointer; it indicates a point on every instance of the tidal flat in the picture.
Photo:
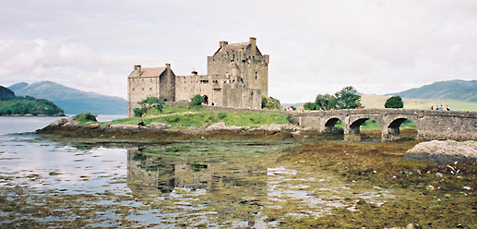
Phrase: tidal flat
(206, 183)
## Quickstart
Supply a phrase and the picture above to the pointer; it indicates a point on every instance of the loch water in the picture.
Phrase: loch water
(214, 184)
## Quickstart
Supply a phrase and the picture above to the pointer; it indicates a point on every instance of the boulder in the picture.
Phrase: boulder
(223, 126)
(59, 122)
(159, 125)
(280, 127)
(443, 152)
(124, 126)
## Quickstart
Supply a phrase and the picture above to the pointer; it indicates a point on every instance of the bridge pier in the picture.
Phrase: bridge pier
(390, 134)
(352, 137)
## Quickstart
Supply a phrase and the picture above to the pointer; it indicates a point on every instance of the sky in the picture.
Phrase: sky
(315, 47)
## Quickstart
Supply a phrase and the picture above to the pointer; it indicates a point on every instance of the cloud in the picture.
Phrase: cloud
(315, 46)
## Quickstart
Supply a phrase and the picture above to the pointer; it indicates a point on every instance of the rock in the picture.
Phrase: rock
(279, 127)
(124, 126)
(222, 126)
(443, 152)
(94, 125)
(439, 175)
(59, 122)
(159, 125)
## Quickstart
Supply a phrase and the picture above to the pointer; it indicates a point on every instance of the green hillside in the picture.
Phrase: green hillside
(445, 90)
(10, 104)
(377, 101)
(73, 101)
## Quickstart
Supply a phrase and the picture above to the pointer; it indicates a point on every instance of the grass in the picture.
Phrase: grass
(181, 116)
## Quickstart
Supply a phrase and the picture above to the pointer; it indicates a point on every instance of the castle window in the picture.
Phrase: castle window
(256, 75)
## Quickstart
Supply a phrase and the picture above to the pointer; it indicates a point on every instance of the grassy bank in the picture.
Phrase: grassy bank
(184, 117)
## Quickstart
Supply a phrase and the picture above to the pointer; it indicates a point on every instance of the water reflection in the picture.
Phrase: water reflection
(236, 184)
(150, 169)
(200, 184)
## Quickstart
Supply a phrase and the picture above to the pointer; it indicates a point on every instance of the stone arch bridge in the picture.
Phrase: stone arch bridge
(431, 125)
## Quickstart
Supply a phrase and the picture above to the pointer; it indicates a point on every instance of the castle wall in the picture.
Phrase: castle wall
(167, 84)
(139, 89)
(237, 76)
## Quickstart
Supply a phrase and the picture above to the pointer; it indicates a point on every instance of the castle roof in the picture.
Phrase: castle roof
(147, 72)
(229, 49)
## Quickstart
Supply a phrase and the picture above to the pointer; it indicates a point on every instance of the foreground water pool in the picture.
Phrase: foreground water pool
(176, 184)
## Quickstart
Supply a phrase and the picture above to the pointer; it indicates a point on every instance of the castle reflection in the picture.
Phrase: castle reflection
(156, 169)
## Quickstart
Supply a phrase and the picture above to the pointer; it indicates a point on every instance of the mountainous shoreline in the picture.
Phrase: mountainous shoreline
(71, 100)
(13, 105)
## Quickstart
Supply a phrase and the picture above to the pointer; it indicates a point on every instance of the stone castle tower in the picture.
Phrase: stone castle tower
(237, 77)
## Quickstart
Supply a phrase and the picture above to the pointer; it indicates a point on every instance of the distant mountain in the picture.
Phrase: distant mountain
(18, 86)
(454, 89)
(71, 100)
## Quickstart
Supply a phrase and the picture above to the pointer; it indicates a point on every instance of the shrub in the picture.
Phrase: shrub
(394, 102)
(196, 101)
(85, 117)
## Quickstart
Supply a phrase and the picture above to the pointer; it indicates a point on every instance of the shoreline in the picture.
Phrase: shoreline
(139, 134)
(31, 115)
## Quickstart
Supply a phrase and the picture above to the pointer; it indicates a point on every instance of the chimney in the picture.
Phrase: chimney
(194, 72)
(137, 68)
(168, 66)
(223, 43)
(253, 43)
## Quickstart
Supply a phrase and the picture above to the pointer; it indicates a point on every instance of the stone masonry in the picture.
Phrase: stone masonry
(431, 125)
(237, 77)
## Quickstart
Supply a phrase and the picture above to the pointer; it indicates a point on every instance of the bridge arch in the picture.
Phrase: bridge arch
(353, 133)
(391, 131)
(330, 124)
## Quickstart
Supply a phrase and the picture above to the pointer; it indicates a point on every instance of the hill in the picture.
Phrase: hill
(10, 104)
(454, 90)
(6, 94)
(18, 86)
(377, 101)
(73, 101)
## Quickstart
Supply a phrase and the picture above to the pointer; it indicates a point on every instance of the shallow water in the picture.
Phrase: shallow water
(214, 184)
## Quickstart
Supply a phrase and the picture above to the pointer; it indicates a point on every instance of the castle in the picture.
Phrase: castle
(237, 77)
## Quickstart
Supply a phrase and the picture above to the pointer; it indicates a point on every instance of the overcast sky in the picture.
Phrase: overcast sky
(315, 46)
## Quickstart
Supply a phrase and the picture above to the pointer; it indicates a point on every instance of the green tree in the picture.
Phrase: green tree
(348, 98)
(270, 103)
(394, 102)
(325, 101)
(196, 101)
(310, 106)
(149, 103)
